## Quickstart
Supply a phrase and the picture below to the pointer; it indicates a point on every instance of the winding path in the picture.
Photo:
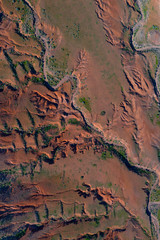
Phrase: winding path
(44, 40)
(143, 48)
(146, 47)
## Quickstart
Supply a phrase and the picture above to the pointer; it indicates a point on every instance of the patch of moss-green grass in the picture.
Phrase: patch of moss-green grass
(86, 103)
(145, 9)
(59, 64)
(73, 121)
(155, 195)
(106, 155)
(155, 27)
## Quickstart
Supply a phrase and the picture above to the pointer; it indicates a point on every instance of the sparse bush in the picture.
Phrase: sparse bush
(20, 234)
(104, 155)
(12, 65)
(1, 86)
(73, 121)
(103, 113)
(87, 128)
(30, 117)
(37, 80)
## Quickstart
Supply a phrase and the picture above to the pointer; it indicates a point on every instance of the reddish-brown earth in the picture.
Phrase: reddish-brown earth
(79, 122)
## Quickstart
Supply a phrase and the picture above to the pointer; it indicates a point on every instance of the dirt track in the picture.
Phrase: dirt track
(67, 77)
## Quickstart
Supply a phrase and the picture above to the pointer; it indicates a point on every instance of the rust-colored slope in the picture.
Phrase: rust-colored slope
(68, 167)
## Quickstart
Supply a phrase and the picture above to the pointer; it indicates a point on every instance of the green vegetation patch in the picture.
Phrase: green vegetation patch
(155, 27)
(87, 128)
(12, 65)
(52, 80)
(156, 62)
(73, 121)
(155, 196)
(58, 65)
(1, 86)
(27, 67)
(135, 32)
(145, 9)
(37, 80)
(16, 236)
(136, 7)
(73, 30)
(52, 129)
(20, 234)
(96, 222)
(48, 127)
(24, 13)
(103, 113)
(106, 155)
(121, 151)
(86, 103)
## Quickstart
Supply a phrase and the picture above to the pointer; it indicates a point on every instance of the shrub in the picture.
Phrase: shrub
(104, 155)
(73, 121)
(103, 113)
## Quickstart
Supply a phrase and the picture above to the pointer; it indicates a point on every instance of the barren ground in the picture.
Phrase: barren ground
(79, 119)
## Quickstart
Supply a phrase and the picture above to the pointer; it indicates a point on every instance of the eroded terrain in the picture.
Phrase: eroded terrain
(79, 129)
